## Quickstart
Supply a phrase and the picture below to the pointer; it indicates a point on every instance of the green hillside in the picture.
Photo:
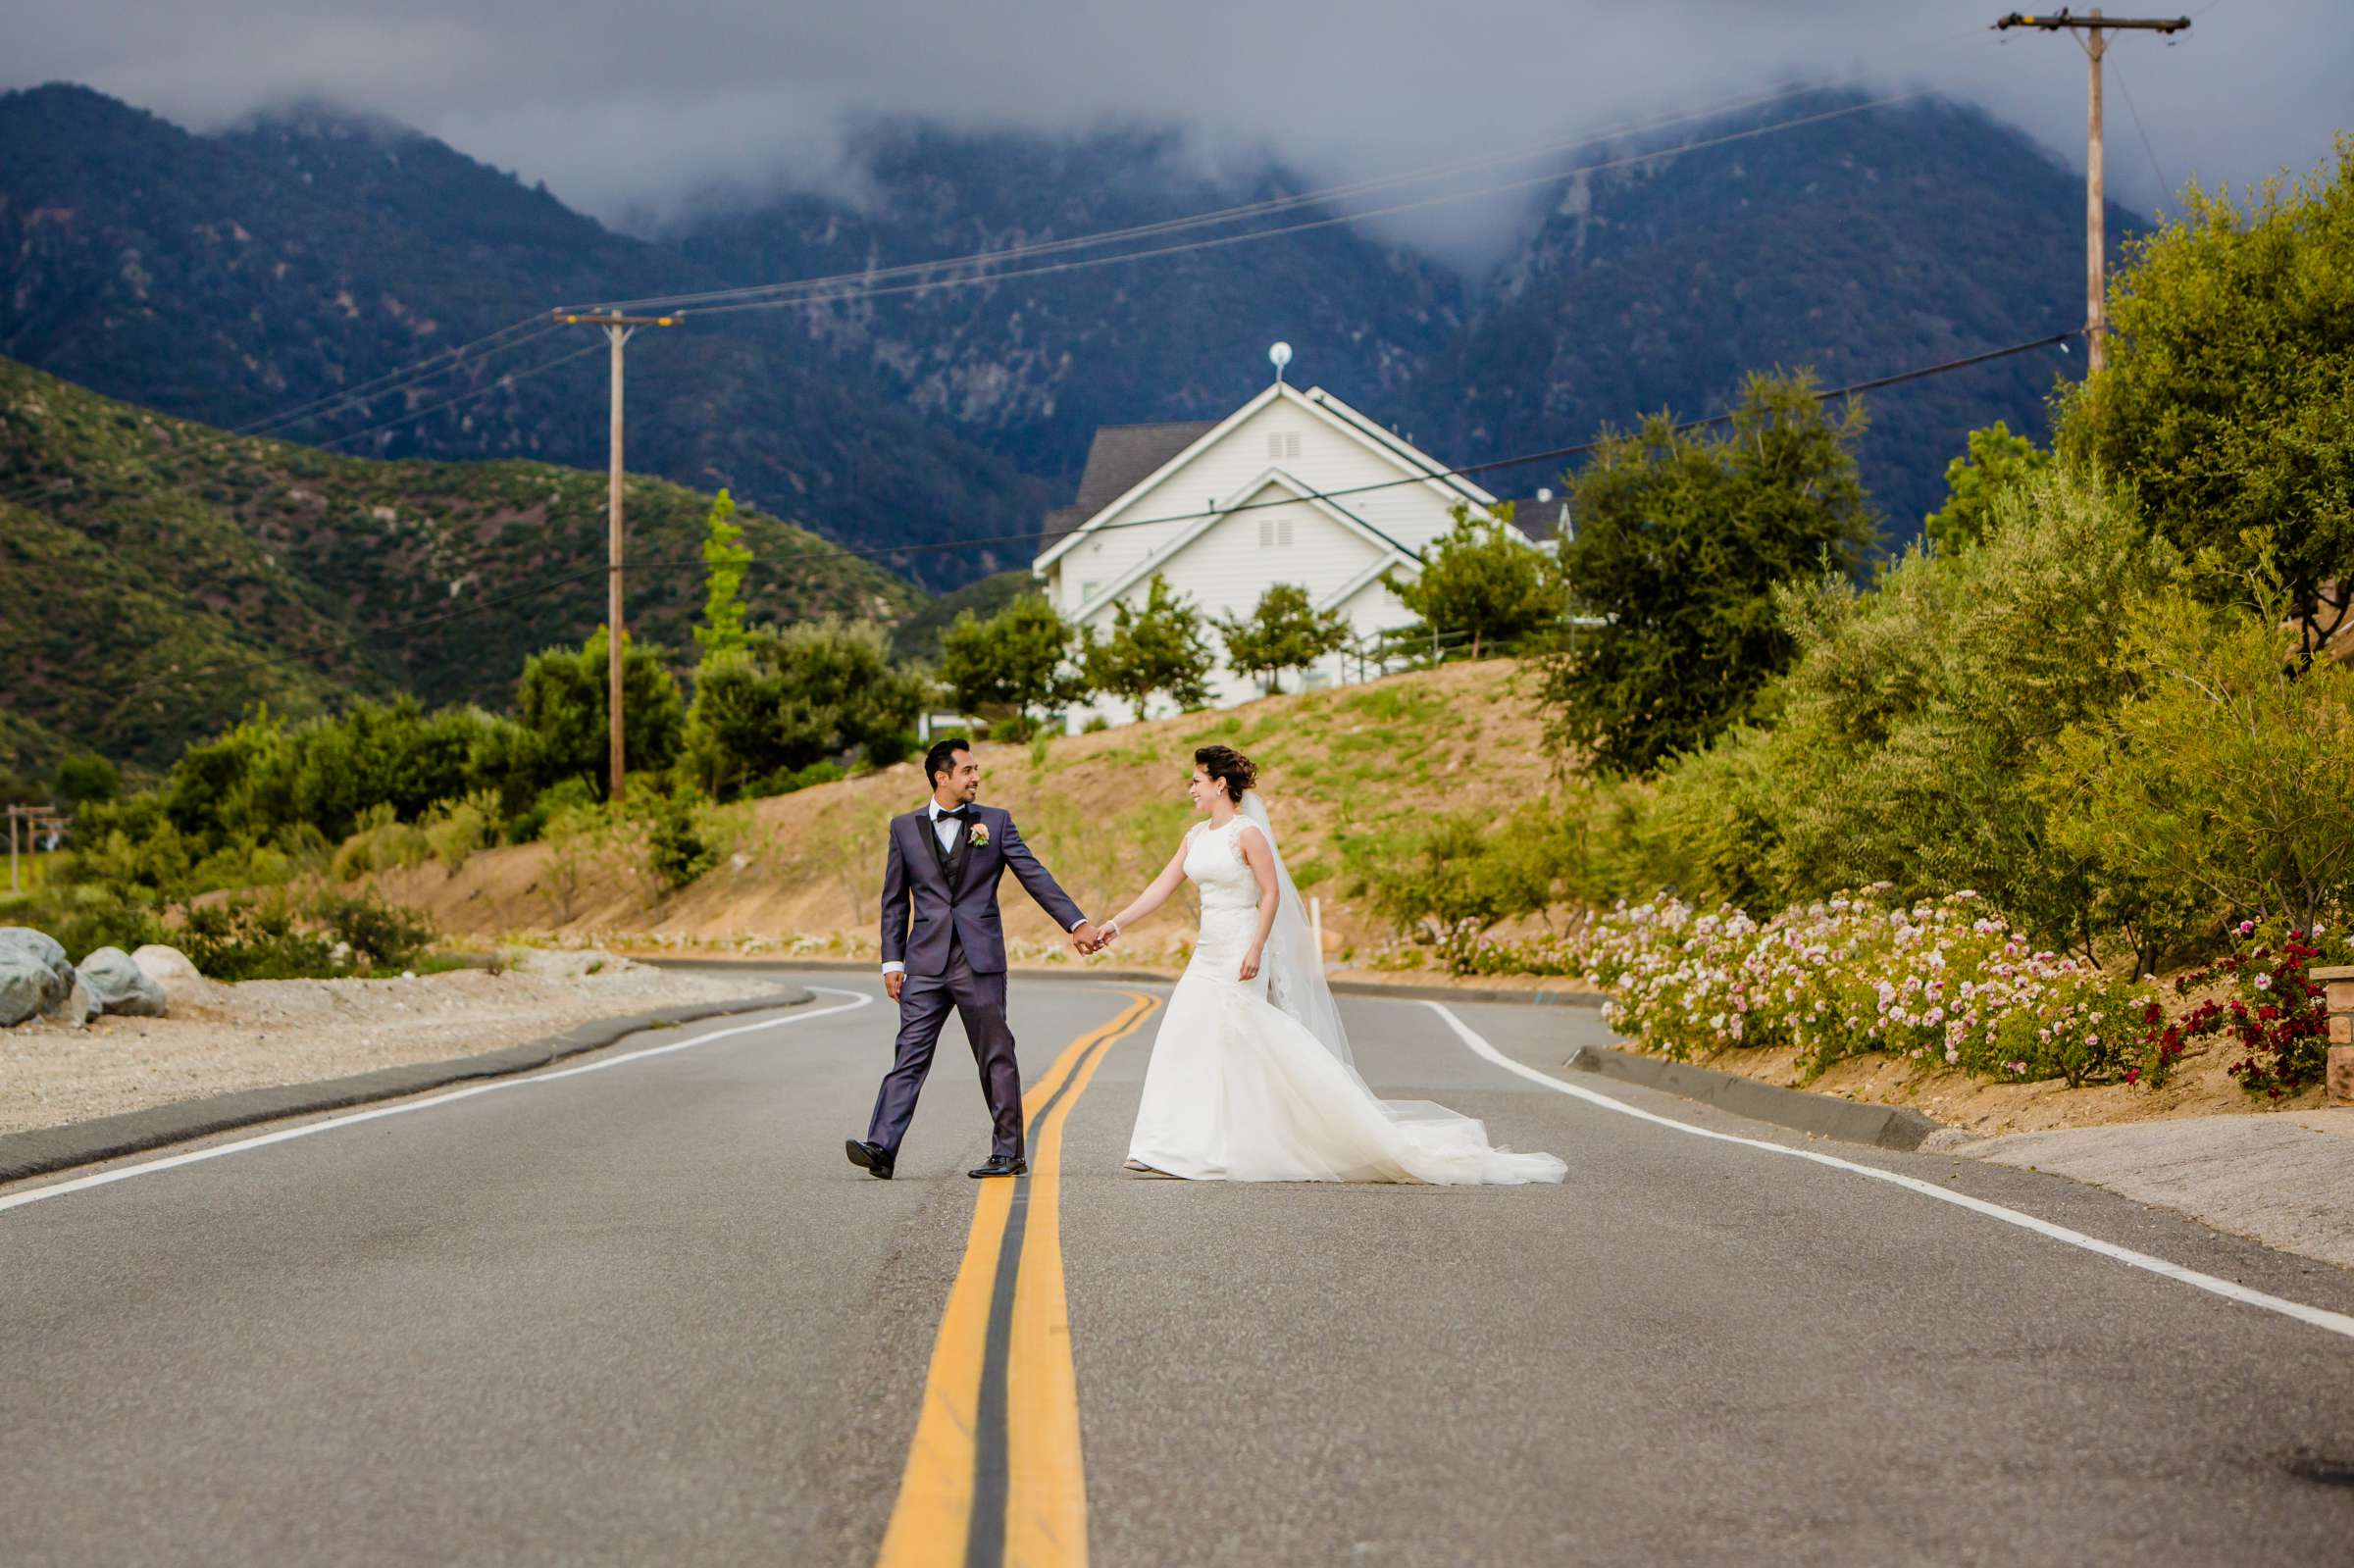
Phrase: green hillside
(163, 576)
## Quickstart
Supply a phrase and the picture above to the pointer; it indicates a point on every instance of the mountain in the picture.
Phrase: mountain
(1029, 366)
(1903, 236)
(231, 277)
(235, 277)
(164, 576)
(1879, 239)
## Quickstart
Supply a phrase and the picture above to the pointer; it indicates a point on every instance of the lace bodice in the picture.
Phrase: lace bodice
(1214, 864)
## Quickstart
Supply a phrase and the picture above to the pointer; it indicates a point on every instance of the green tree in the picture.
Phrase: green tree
(1485, 577)
(789, 700)
(726, 559)
(86, 777)
(562, 698)
(1155, 649)
(1996, 458)
(1907, 730)
(2228, 397)
(1019, 660)
(2221, 787)
(1682, 538)
(1285, 631)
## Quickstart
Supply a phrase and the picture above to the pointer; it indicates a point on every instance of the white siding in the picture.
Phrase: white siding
(1225, 567)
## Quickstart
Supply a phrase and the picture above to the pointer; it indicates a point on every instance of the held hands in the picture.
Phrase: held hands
(1090, 939)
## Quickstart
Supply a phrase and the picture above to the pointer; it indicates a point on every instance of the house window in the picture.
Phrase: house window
(1087, 591)
(1274, 533)
(1282, 444)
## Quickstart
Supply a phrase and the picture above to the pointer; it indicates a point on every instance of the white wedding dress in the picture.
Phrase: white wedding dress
(1253, 1082)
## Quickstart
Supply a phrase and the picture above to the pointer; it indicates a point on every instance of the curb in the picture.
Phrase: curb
(55, 1149)
(1542, 996)
(1888, 1127)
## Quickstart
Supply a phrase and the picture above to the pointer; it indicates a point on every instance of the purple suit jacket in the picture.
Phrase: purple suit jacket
(920, 909)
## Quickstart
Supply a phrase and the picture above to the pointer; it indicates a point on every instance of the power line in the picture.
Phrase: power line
(502, 385)
(1325, 194)
(824, 549)
(426, 369)
(1222, 242)
(2166, 187)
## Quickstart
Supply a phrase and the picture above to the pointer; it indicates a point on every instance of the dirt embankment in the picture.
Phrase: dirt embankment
(2201, 1085)
(802, 873)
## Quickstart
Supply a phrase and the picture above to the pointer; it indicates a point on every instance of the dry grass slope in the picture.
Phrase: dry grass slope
(1344, 768)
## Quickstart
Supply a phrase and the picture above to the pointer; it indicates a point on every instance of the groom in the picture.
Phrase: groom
(943, 863)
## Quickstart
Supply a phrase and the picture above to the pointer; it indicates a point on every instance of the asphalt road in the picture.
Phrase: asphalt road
(641, 1310)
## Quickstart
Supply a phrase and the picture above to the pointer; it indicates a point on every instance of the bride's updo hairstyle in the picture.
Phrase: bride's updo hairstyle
(1228, 767)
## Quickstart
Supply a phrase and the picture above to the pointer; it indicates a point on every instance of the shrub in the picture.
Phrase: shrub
(787, 700)
(239, 940)
(562, 796)
(376, 934)
(382, 844)
(827, 771)
(85, 916)
(455, 829)
(2221, 783)
(1452, 881)
(675, 852)
(1944, 983)
(2264, 998)
(1901, 744)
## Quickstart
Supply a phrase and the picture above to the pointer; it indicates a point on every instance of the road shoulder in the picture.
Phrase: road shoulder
(41, 1150)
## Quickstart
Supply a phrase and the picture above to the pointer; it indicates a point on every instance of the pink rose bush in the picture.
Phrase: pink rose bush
(1947, 983)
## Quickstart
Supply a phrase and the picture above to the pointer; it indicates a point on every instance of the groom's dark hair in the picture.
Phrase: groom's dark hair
(942, 758)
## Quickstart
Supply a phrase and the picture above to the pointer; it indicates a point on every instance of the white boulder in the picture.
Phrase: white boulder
(182, 982)
(120, 985)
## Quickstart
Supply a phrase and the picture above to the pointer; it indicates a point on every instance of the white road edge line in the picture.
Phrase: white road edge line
(2320, 1317)
(80, 1184)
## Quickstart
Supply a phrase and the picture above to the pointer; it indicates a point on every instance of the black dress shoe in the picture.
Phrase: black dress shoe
(1001, 1165)
(873, 1158)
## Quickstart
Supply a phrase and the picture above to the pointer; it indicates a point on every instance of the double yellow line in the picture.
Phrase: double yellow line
(993, 1475)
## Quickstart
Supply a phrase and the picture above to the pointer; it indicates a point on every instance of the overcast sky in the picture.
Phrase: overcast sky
(621, 106)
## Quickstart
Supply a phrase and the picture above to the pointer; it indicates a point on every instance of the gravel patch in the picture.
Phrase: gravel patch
(267, 1032)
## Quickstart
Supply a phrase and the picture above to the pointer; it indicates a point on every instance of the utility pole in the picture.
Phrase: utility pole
(2093, 27)
(32, 819)
(619, 330)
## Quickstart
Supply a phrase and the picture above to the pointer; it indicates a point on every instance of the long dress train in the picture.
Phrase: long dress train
(1240, 1089)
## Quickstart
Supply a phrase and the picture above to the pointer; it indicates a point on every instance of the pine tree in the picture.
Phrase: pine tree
(726, 558)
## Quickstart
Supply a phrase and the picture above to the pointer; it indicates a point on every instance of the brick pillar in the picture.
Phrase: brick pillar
(2339, 983)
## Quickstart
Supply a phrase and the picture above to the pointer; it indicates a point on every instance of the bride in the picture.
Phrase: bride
(1250, 1077)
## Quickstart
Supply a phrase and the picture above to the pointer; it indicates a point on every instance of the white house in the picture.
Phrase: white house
(1293, 487)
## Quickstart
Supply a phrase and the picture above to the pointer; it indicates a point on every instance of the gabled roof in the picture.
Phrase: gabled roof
(1061, 534)
(1390, 552)
(1120, 456)
(1541, 520)
(1404, 450)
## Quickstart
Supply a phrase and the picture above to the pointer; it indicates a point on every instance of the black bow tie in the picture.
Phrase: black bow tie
(953, 815)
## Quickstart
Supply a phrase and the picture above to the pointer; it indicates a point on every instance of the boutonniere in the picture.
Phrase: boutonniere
(980, 833)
